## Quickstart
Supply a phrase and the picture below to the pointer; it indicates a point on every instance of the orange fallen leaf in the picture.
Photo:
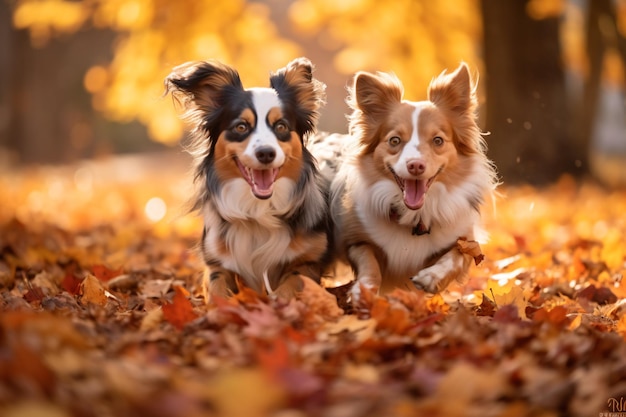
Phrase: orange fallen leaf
(273, 355)
(391, 318)
(180, 311)
(472, 248)
(319, 300)
(104, 273)
(556, 316)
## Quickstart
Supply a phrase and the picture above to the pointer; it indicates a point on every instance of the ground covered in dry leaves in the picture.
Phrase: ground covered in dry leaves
(101, 313)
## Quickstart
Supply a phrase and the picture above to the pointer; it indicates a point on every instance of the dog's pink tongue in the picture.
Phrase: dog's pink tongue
(263, 182)
(414, 193)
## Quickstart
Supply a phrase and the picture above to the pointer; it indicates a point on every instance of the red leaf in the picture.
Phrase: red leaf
(71, 284)
(604, 295)
(586, 293)
(34, 294)
(600, 295)
(105, 274)
(180, 311)
(506, 314)
(486, 308)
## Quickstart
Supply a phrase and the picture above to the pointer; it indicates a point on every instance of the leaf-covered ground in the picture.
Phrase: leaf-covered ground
(101, 313)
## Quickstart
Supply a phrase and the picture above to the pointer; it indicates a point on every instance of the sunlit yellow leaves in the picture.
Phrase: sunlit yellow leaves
(416, 40)
(154, 36)
(45, 17)
(508, 294)
(124, 15)
(95, 79)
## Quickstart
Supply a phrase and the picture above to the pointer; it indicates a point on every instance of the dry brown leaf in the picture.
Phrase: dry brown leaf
(91, 291)
(541, 317)
(318, 298)
(471, 248)
(151, 320)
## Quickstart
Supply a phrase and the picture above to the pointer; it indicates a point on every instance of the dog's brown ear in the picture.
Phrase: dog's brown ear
(455, 92)
(201, 86)
(370, 98)
(374, 93)
(300, 92)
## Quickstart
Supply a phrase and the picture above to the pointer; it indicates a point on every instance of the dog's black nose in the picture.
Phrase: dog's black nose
(265, 154)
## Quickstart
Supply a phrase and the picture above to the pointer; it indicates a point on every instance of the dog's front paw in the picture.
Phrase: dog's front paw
(425, 280)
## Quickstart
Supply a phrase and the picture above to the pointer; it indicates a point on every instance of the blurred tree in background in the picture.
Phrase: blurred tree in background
(527, 52)
(151, 36)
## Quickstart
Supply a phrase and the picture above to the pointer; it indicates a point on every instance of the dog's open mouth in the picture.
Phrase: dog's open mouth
(261, 181)
(414, 191)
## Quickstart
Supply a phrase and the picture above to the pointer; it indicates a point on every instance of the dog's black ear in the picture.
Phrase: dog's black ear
(374, 93)
(455, 92)
(202, 86)
(300, 92)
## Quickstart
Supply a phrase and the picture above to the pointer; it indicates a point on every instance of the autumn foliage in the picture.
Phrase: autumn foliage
(101, 314)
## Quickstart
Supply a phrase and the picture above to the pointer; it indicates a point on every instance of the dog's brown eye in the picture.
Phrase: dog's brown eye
(281, 128)
(394, 141)
(438, 141)
(241, 128)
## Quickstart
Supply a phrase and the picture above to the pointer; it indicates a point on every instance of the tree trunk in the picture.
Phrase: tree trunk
(527, 109)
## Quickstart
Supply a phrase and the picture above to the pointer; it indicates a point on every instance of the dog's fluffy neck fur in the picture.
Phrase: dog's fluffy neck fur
(444, 205)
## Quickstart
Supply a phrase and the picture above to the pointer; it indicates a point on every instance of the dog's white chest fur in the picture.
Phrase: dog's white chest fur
(447, 212)
(254, 236)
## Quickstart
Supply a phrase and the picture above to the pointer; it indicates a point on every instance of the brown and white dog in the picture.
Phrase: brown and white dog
(412, 184)
(264, 203)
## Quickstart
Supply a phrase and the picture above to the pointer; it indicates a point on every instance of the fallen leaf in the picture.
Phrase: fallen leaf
(472, 248)
(71, 284)
(557, 316)
(35, 294)
(320, 300)
(104, 273)
(256, 394)
(273, 355)
(156, 288)
(486, 307)
(180, 311)
(508, 294)
(151, 320)
(358, 329)
(91, 291)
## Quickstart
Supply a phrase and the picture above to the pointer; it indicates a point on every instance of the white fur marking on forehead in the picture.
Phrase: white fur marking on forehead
(410, 149)
(264, 99)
